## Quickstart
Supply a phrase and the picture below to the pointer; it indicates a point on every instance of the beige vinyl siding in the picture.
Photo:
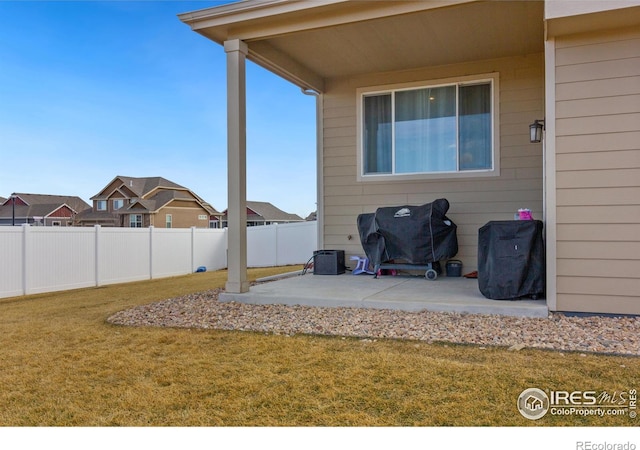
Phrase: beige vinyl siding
(183, 215)
(474, 201)
(598, 171)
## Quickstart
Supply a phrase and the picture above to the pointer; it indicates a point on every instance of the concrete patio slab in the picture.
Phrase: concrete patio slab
(388, 292)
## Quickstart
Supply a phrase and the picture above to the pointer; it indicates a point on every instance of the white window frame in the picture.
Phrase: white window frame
(133, 221)
(460, 81)
(168, 221)
(115, 203)
(101, 205)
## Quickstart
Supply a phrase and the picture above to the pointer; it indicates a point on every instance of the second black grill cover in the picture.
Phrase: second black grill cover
(415, 234)
(511, 261)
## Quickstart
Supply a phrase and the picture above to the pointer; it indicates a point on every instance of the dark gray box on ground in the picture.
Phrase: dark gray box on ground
(328, 262)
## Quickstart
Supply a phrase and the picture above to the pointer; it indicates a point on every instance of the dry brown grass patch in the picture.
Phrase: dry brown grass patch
(63, 365)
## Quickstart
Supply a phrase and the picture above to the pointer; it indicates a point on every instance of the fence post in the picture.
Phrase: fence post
(25, 265)
(151, 228)
(193, 249)
(276, 242)
(97, 230)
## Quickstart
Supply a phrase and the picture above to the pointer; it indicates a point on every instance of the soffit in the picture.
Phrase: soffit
(308, 52)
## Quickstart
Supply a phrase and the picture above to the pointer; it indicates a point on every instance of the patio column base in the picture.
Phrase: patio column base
(237, 287)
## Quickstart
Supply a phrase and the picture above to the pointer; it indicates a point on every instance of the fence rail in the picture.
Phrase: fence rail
(46, 259)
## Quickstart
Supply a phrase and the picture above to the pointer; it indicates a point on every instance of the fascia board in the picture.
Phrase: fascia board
(262, 19)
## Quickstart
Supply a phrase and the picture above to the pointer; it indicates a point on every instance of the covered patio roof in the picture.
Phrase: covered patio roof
(309, 43)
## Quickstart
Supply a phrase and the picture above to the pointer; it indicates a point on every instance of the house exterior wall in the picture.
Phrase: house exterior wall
(182, 217)
(474, 201)
(63, 212)
(555, 9)
(597, 158)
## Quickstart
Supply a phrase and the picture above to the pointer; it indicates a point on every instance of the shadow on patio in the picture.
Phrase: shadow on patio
(388, 292)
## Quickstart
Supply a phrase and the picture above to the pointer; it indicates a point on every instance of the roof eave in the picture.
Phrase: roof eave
(255, 21)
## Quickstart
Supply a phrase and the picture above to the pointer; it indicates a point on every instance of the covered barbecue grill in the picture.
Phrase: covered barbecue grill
(419, 236)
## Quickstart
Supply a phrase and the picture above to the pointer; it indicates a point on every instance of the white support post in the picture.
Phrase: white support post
(236, 166)
(550, 188)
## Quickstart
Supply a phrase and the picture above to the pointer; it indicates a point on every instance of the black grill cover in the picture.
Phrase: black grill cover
(415, 234)
(511, 261)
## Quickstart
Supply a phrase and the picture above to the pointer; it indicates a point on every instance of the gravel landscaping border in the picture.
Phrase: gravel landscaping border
(599, 334)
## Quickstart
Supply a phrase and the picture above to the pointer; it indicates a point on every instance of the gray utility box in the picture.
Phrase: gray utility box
(328, 262)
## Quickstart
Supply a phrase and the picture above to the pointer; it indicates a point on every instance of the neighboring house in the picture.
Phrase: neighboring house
(41, 209)
(264, 213)
(424, 100)
(143, 202)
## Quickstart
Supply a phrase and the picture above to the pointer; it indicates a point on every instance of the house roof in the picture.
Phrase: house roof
(140, 186)
(144, 189)
(89, 215)
(309, 43)
(270, 213)
(164, 197)
(41, 205)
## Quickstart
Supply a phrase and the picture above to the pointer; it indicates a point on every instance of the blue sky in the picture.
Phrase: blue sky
(90, 90)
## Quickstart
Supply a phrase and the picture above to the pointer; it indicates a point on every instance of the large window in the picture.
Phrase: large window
(446, 128)
(117, 204)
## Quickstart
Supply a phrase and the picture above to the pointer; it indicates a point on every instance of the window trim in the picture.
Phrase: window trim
(389, 88)
(168, 221)
(101, 202)
(134, 217)
(115, 208)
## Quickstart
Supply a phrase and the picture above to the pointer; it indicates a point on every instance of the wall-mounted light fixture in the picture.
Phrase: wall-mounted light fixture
(535, 131)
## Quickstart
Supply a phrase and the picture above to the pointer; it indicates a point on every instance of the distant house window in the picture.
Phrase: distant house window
(445, 128)
(101, 205)
(135, 220)
(203, 217)
(168, 220)
(55, 223)
(117, 204)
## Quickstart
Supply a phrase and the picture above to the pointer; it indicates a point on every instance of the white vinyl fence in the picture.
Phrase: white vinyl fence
(45, 259)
